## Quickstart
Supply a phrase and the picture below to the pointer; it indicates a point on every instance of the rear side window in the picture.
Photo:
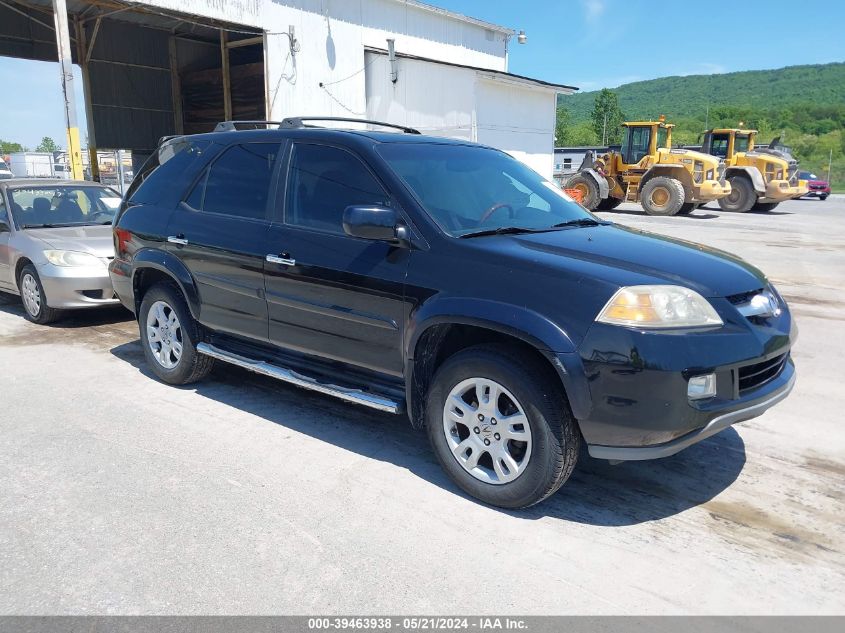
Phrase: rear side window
(323, 181)
(166, 166)
(238, 182)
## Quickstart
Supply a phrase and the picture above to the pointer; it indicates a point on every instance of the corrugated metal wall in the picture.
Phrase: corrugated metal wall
(130, 88)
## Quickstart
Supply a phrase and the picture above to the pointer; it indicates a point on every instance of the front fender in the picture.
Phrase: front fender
(172, 266)
(601, 181)
(513, 320)
(752, 173)
(506, 318)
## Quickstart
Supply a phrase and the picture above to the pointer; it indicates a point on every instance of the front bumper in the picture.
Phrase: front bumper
(711, 190)
(780, 190)
(777, 390)
(71, 287)
(633, 400)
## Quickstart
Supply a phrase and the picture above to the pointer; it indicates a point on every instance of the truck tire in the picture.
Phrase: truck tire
(662, 196)
(169, 337)
(823, 197)
(590, 194)
(742, 196)
(764, 206)
(484, 455)
(608, 204)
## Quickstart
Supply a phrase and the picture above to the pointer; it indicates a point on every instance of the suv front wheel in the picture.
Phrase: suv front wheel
(169, 336)
(501, 427)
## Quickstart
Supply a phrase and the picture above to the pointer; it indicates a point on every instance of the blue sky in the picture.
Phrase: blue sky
(586, 43)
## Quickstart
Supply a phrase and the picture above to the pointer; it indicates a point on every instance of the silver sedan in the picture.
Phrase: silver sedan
(55, 244)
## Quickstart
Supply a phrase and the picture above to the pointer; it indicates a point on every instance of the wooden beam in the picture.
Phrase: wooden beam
(176, 88)
(227, 83)
(250, 41)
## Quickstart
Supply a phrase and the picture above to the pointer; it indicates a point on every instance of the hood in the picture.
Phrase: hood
(817, 182)
(625, 257)
(96, 240)
(707, 159)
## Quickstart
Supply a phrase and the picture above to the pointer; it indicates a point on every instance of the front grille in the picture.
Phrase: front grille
(756, 375)
(743, 297)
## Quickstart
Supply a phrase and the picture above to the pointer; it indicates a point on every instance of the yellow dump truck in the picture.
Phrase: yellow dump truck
(647, 170)
(760, 180)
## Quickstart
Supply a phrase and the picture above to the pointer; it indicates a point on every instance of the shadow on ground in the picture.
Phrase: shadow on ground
(596, 494)
(695, 215)
(106, 315)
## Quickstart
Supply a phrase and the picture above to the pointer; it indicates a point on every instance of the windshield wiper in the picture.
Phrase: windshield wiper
(579, 222)
(505, 230)
(39, 226)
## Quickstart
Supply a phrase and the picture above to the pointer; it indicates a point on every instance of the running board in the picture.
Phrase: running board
(355, 396)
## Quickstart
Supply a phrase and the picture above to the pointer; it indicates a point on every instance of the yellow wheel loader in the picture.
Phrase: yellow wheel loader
(760, 179)
(647, 170)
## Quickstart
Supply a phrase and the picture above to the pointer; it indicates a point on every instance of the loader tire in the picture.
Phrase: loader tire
(742, 196)
(662, 196)
(590, 195)
(608, 204)
(764, 206)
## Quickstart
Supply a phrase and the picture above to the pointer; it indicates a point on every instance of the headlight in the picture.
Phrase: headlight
(72, 258)
(658, 307)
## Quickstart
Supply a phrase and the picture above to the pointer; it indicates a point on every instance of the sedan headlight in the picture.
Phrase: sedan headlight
(658, 307)
(72, 258)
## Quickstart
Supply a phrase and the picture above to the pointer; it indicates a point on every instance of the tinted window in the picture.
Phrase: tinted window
(662, 137)
(238, 182)
(466, 188)
(323, 181)
(719, 145)
(741, 143)
(164, 168)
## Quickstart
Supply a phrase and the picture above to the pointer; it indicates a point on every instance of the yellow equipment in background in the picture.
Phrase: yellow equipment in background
(759, 180)
(646, 169)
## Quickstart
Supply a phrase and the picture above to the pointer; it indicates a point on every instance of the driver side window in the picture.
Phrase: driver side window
(4, 216)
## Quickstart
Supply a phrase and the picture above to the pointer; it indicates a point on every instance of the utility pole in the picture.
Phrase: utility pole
(829, 165)
(604, 130)
(74, 148)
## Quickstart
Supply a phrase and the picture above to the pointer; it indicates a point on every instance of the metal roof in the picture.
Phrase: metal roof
(457, 16)
(522, 79)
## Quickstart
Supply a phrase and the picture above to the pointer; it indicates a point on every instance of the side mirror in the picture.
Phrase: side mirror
(372, 222)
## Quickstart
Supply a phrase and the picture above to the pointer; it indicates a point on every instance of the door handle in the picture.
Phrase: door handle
(178, 239)
(283, 259)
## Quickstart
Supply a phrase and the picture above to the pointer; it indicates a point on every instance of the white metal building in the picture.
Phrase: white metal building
(158, 67)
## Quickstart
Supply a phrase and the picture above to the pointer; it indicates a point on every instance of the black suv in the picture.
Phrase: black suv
(447, 280)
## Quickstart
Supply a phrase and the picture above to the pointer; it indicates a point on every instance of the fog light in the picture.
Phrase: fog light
(702, 387)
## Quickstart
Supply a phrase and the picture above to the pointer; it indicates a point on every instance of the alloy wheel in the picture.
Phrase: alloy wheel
(487, 430)
(164, 334)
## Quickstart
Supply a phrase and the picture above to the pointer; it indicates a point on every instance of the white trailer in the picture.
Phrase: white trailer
(32, 165)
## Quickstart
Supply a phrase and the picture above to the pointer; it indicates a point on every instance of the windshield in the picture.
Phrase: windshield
(662, 137)
(806, 175)
(741, 143)
(467, 189)
(71, 205)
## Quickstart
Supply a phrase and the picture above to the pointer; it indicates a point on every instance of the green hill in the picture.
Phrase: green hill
(804, 105)
(689, 96)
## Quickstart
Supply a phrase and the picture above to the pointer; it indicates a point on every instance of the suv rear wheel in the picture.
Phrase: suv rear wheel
(500, 427)
(169, 336)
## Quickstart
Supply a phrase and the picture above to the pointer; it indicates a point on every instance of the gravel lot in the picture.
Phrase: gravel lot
(120, 495)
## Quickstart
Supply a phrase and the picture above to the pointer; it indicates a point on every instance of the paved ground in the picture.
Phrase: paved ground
(119, 494)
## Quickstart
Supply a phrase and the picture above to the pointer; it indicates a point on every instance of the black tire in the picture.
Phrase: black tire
(764, 206)
(42, 314)
(555, 436)
(608, 204)
(823, 197)
(590, 195)
(662, 195)
(688, 207)
(742, 196)
(191, 366)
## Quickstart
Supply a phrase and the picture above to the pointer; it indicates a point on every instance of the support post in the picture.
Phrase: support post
(176, 88)
(227, 85)
(74, 148)
(83, 53)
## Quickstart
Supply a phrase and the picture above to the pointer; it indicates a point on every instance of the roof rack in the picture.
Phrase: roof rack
(233, 126)
(299, 122)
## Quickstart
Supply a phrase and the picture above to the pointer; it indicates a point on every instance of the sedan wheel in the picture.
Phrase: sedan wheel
(31, 295)
(164, 334)
(487, 431)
